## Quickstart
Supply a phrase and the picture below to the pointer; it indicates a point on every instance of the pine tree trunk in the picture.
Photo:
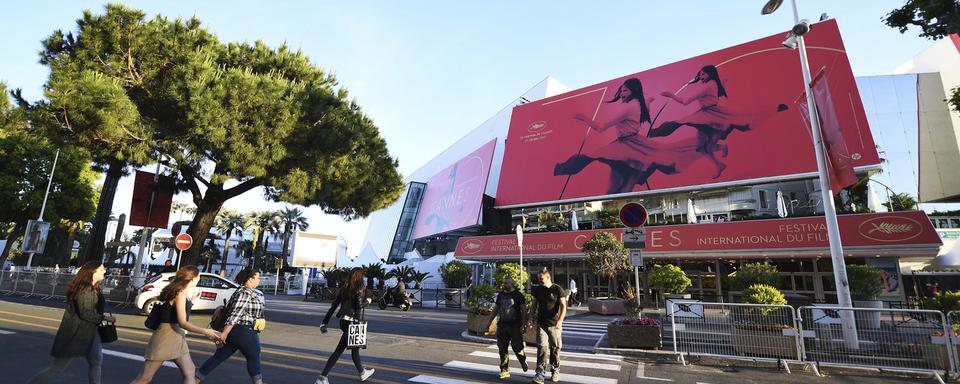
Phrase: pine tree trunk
(203, 220)
(94, 249)
(15, 234)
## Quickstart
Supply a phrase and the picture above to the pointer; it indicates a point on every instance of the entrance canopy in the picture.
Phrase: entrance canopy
(872, 234)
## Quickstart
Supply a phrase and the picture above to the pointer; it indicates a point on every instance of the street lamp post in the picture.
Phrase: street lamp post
(848, 322)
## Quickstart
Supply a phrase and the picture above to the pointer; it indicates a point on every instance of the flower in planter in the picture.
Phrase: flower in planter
(641, 321)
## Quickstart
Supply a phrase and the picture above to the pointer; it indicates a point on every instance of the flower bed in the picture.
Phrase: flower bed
(643, 333)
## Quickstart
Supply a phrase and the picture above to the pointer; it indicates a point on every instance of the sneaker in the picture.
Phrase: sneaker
(322, 380)
(367, 372)
(538, 379)
(523, 364)
(555, 375)
(504, 375)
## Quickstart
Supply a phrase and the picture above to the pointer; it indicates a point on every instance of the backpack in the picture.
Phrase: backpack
(219, 319)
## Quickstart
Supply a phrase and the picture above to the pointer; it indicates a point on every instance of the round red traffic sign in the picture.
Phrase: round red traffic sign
(183, 241)
(633, 215)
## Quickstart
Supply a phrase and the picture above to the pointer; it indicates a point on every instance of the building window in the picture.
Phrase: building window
(763, 199)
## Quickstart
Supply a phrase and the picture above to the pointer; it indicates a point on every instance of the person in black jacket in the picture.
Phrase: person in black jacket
(351, 303)
(77, 335)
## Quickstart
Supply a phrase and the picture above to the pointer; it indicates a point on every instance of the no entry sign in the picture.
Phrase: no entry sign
(183, 241)
(633, 215)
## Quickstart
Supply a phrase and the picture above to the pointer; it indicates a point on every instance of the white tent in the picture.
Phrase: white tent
(949, 257)
(691, 212)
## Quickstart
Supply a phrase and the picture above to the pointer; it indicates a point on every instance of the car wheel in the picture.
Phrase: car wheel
(148, 306)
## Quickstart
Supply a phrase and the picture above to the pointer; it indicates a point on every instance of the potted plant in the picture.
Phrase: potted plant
(480, 307)
(606, 257)
(865, 285)
(759, 331)
(639, 332)
(670, 280)
(454, 275)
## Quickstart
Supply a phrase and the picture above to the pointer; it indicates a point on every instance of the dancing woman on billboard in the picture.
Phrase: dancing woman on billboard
(713, 121)
(632, 158)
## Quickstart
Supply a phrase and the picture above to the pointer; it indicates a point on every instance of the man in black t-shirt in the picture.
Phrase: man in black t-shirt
(508, 310)
(551, 302)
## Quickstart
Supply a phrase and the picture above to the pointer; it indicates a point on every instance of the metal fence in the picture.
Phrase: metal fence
(118, 290)
(757, 332)
(882, 338)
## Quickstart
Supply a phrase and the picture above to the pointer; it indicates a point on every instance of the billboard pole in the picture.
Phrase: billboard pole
(848, 323)
(46, 194)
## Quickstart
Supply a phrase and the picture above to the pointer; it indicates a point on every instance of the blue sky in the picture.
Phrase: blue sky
(429, 71)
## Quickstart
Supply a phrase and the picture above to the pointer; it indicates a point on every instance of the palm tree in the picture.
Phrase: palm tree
(419, 277)
(402, 273)
(263, 222)
(902, 202)
(228, 224)
(373, 271)
(292, 219)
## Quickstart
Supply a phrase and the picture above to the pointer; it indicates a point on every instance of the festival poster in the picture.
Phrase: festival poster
(725, 118)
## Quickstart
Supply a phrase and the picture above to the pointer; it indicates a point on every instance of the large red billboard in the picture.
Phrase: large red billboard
(893, 231)
(453, 197)
(162, 192)
(724, 118)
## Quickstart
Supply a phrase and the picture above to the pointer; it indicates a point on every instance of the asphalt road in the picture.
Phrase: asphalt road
(420, 346)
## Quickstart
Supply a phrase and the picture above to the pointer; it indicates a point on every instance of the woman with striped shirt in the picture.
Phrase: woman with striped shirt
(240, 331)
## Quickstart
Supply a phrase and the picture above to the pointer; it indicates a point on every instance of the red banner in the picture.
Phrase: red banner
(723, 118)
(162, 191)
(453, 197)
(836, 155)
(861, 230)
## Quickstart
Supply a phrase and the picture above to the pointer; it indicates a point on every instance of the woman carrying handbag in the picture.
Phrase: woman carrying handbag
(351, 303)
(241, 330)
(78, 334)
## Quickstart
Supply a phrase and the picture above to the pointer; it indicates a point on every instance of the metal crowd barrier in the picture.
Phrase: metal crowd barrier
(920, 341)
(118, 290)
(755, 332)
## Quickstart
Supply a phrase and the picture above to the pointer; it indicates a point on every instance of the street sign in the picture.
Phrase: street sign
(183, 241)
(636, 257)
(635, 237)
(633, 215)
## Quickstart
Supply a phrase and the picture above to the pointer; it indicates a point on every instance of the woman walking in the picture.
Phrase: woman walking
(242, 328)
(77, 335)
(169, 339)
(351, 301)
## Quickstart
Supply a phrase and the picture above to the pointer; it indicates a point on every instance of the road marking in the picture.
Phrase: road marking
(130, 356)
(2, 332)
(640, 369)
(578, 364)
(567, 377)
(533, 352)
(438, 380)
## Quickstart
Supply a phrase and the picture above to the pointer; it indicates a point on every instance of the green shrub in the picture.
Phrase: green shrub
(669, 278)
(481, 299)
(943, 301)
(454, 274)
(606, 255)
(757, 273)
(865, 282)
(763, 294)
(512, 269)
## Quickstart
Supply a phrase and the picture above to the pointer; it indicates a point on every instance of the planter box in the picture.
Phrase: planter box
(477, 325)
(606, 306)
(634, 336)
(762, 342)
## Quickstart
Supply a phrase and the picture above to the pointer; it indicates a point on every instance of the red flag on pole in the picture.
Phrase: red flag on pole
(837, 157)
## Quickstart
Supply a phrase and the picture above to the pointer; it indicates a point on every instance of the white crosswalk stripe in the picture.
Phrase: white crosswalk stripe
(493, 369)
(531, 351)
(578, 364)
(4, 332)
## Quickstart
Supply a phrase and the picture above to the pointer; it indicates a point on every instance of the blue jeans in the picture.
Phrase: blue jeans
(94, 365)
(244, 339)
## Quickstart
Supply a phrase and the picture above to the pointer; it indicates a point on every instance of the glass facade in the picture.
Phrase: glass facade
(411, 207)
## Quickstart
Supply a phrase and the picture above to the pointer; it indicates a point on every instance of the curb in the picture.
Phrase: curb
(488, 340)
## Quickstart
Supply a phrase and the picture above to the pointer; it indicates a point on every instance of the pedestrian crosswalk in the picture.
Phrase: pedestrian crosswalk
(575, 367)
(585, 329)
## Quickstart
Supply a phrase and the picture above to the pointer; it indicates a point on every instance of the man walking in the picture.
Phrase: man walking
(551, 309)
(508, 309)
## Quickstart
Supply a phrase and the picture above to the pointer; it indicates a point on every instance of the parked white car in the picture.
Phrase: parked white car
(211, 292)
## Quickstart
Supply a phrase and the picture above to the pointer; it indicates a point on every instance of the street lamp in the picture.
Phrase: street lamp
(848, 323)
